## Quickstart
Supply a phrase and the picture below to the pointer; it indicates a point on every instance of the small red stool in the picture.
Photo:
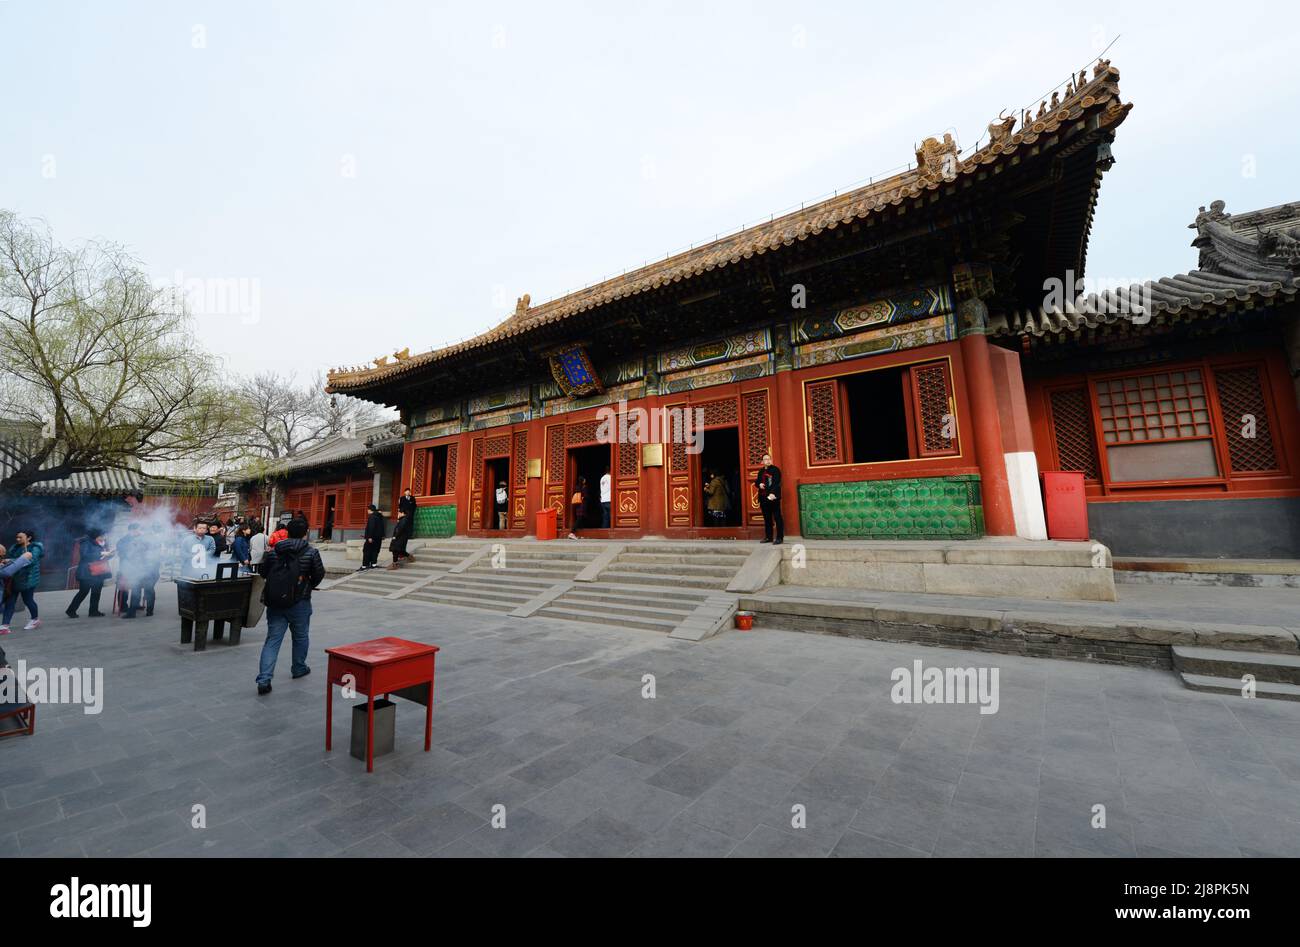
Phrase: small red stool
(382, 666)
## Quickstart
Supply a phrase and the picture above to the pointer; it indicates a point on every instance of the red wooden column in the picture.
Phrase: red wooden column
(999, 520)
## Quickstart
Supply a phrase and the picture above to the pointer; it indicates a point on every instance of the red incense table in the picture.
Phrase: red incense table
(382, 666)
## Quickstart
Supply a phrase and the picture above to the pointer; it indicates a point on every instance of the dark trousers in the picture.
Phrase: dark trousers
(11, 603)
(370, 552)
(772, 515)
(604, 516)
(142, 593)
(93, 588)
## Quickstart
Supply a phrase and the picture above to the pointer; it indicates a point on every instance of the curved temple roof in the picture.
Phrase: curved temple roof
(936, 168)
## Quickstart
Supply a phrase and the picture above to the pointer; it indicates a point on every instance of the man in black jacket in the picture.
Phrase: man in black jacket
(374, 536)
(768, 483)
(407, 503)
(402, 530)
(297, 616)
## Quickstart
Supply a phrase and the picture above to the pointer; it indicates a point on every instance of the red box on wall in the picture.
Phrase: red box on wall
(546, 523)
(1065, 504)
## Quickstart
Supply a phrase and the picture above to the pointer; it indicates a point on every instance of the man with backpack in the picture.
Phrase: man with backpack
(291, 569)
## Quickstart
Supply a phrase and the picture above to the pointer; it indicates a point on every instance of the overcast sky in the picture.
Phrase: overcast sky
(379, 175)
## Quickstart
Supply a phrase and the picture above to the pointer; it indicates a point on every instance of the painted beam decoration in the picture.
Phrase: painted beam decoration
(901, 320)
(572, 370)
(716, 361)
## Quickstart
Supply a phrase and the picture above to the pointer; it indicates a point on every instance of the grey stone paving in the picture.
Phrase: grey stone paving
(547, 719)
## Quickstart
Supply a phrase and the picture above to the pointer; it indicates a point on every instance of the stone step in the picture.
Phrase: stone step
(471, 598)
(1232, 686)
(624, 577)
(611, 609)
(490, 605)
(702, 559)
(557, 552)
(545, 575)
(1220, 662)
(471, 584)
(1232, 573)
(692, 549)
(630, 595)
(611, 620)
(674, 568)
(377, 587)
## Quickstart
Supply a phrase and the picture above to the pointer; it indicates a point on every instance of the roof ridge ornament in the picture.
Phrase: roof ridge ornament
(936, 160)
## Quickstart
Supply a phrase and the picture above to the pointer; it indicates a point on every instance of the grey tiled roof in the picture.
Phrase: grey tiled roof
(1246, 261)
(1165, 298)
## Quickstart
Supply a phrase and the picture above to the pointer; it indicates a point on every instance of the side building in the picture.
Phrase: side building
(333, 483)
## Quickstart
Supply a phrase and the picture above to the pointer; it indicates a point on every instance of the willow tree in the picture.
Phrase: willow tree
(98, 369)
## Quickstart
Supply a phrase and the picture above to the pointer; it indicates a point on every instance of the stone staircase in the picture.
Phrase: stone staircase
(523, 572)
(1220, 671)
(654, 586)
(697, 565)
(429, 559)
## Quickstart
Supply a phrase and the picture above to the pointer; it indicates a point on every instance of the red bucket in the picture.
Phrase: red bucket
(744, 620)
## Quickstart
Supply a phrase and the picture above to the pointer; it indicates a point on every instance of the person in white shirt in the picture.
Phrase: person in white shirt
(257, 547)
(604, 500)
(501, 499)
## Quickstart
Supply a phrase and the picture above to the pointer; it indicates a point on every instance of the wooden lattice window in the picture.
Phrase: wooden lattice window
(419, 471)
(452, 451)
(756, 436)
(825, 438)
(1156, 427)
(932, 404)
(896, 412)
(583, 432)
(555, 454)
(628, 464)
(718, 413)
(1245, 419)
(1076, 448)
(521, 459)
(1161, 406)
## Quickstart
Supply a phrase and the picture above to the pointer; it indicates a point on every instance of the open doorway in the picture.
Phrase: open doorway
(589, 464)
(720, 477)
(327, 527)
(496, 502)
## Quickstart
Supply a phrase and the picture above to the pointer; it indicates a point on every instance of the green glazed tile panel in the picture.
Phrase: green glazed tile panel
(923, 508)
(435, 522)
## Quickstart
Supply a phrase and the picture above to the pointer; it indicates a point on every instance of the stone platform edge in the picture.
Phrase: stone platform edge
(1125, 641)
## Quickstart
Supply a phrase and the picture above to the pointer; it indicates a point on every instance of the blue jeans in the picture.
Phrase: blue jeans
(11, 603)
(297, 619)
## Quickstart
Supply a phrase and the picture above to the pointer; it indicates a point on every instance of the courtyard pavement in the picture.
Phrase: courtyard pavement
(549, 720)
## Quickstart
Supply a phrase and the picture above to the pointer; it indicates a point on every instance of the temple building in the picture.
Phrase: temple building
(895, 351)
(332, 483)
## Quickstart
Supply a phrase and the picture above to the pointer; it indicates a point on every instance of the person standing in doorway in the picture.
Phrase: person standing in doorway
(22, 575)
(92, 572)
(578, 506)
(501, 500)
(768, 484)
(719, 499)
(374, 538)
(292, 570)
(605, 485)
(407, 504)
